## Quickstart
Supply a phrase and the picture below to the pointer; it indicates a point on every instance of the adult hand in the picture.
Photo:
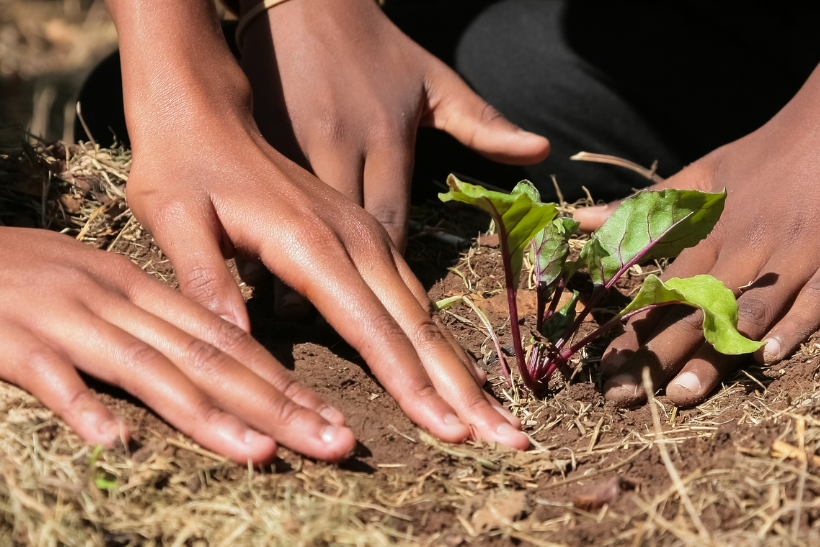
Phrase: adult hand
(764, 249)
(226, 188)
(341, 90)
(65, 307)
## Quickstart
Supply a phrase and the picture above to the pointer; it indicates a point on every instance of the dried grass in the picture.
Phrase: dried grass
(55, 490)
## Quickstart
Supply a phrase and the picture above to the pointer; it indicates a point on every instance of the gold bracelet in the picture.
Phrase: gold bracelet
(256, 10)
(251, 15)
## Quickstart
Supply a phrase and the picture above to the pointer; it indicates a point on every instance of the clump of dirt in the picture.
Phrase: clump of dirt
(747, 458)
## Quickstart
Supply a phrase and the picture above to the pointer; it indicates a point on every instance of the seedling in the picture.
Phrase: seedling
(648, 225)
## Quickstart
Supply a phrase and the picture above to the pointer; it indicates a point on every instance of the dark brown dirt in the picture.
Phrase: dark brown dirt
(333, 370)
(625, 469)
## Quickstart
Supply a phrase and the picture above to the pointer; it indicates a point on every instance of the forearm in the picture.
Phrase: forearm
(176, 66)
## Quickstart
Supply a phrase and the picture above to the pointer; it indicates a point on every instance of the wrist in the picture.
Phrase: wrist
(178, 72)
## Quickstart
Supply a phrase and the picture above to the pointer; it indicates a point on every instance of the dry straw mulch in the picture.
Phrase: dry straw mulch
(741, 469)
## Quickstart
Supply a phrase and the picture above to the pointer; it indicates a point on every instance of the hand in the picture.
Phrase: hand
(225, 188)
(764, 249)
(65, 307)
(342, 91)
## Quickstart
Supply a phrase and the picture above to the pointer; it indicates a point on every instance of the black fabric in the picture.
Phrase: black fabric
(666, 81)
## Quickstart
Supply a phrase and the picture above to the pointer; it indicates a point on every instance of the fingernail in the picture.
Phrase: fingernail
(251, 436)
(452, 419)
(594, 208)
(771, 351)
(329, 433)
(332, 415)
(616, 358)
(506, 429)
(622, 388)
(613, 360)
(688, 381)
(111, 429)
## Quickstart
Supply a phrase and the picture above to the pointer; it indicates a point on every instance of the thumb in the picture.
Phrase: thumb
(455, 108)
(191, 240)
(697, 176)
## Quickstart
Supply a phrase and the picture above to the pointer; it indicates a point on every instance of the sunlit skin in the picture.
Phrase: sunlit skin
(221, 189)
(768, 233)
(323, 205)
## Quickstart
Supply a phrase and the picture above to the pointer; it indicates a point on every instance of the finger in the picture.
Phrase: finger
(758, 309)
(697, 176)
(339, 167)
(675, 340)
(455, 108)
(236, 389)
(591, 218)
(694, 261)
(351, 308)
(801, 321)
(447, 371)
(35, 367)
(387, 175)
(193, 240)
(115, 356)
(238, 344)
(417, 289)
(506, 414)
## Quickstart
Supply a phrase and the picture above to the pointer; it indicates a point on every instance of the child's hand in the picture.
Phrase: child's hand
(205, 182)
(342, 91)
(65, 307)
(765, 249)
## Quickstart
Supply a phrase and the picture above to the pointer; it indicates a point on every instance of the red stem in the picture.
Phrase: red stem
(606, 327)
(512, 303)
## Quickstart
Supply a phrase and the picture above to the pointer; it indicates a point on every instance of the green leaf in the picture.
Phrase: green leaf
(650, 225)
(106, 481)
(520, 215)
(710, 295)
(551, 246)
(554, 327)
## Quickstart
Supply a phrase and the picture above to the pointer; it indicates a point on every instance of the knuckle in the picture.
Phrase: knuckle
(288, 385)
(205, 413)
(427, 335)
(386, 328)
(139, 354)
(475, 403)
(418, 391)
(316, 235)
(284, 411)
(754, 311)
(811, 294)
(489, 114)
(389, 217)
(206, 360)
(231, 339)
(331, 128)
(201, 283)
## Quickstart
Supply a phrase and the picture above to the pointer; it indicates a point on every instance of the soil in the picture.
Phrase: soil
(594, 477)
(564, 426)
(595, 474)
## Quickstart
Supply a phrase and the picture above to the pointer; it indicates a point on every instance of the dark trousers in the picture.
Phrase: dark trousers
(646, 81)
